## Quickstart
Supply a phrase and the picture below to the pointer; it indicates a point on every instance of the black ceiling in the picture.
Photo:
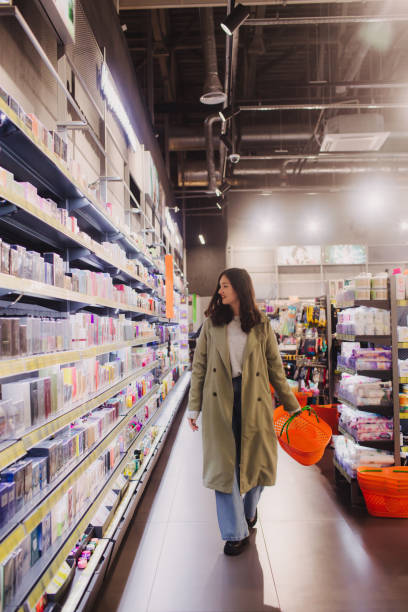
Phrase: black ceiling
(279, 65)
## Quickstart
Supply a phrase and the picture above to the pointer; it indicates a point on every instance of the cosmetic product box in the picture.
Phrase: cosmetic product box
(46, 533)
(27, 466)
(36, 543)
(50, 449)
(8, 576)
(15, 474)
(19, 391)
(5, 258)
(7, 502)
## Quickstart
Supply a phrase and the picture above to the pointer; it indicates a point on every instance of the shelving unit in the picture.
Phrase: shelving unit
(388, 410)
(24, 222)
(37, 582)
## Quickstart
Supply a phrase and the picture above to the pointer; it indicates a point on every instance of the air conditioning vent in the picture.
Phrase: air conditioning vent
(354, 133)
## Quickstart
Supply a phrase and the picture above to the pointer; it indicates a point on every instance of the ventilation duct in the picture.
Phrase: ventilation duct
(354, 133)
(195, 175)
(213, 92)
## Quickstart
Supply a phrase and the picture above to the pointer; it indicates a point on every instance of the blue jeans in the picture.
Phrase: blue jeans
(232, 508)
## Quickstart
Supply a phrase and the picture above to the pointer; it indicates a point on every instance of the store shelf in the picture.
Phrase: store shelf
(308, 363)
(36, 582)
(52, 231)
(22, 365)
(23, 286)
(343, 471)
(380, 444)
(26, 154)
(167, 372)
(19, 448)
(382, 340)
(403, 380)
(383, 304)
(402, 302)
(383, 410)
(66, 478)
(381, 374)
(403, 345)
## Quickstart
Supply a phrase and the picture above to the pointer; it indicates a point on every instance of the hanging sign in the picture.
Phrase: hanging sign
(169, 286)
(62, 16)
(194, 307)
(299, 255)
(345, 254)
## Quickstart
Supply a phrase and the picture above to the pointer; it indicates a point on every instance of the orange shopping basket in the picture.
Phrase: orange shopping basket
(304, 436)
(385, 490)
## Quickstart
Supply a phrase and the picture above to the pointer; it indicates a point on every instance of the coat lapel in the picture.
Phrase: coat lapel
(221, 342)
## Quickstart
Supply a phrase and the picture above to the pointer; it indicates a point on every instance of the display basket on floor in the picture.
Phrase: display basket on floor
(303, 397)
(304, 436)
(385, 490)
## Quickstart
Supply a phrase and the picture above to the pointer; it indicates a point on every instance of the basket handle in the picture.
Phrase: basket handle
(291, 418)
(310, 409)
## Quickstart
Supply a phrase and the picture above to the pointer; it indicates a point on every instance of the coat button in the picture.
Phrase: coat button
(214, 394)
(257, 373)
(214, 369)
(259, 399)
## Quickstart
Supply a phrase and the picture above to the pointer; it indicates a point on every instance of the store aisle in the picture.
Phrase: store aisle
(307, 554)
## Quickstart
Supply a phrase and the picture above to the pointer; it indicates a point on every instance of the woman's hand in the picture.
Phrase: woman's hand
(193, 424)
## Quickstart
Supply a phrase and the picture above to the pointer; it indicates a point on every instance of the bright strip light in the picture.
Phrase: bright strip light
(201, 238)
(219, 205)
(115, 104)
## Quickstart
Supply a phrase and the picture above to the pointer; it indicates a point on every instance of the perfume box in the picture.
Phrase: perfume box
(15, 474)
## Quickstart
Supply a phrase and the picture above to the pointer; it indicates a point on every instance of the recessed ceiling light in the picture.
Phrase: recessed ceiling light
(201, 238)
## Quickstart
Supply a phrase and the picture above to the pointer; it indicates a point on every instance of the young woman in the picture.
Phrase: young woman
(235, 359)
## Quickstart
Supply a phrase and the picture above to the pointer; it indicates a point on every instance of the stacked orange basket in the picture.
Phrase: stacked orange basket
(302, 397)
(385, 490)
(304, 436)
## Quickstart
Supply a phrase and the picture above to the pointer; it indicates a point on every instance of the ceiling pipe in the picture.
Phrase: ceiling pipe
(127, 5)
(331, 106)
(208, 131)
(191, 141)
(195, 175)
(213, 92)
(278, 21)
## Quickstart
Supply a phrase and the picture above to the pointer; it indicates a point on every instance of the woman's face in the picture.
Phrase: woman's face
(227, 292)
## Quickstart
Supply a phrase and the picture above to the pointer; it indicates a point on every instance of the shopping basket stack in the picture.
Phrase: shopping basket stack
(385, 490)
(304, 436)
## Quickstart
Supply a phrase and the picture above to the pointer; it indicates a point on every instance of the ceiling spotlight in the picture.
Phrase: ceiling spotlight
(175, 208)
(228, 112)
(235, 19)
(234, 158)
(201, 238)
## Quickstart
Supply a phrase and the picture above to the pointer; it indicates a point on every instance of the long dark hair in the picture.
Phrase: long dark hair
(221, 314)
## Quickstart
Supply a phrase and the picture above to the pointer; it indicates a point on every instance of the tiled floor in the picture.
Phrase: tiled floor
(309, 553)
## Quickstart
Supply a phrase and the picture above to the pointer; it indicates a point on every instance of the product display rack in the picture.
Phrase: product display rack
(84, 591)
(32, 588)
(26, 156)
(12, 452)
(24, 222)
(389, 410)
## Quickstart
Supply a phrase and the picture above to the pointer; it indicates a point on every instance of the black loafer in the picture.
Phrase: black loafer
(233, 548)
(251, 524)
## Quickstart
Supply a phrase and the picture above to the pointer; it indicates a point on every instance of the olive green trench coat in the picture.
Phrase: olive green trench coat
(211, 394)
